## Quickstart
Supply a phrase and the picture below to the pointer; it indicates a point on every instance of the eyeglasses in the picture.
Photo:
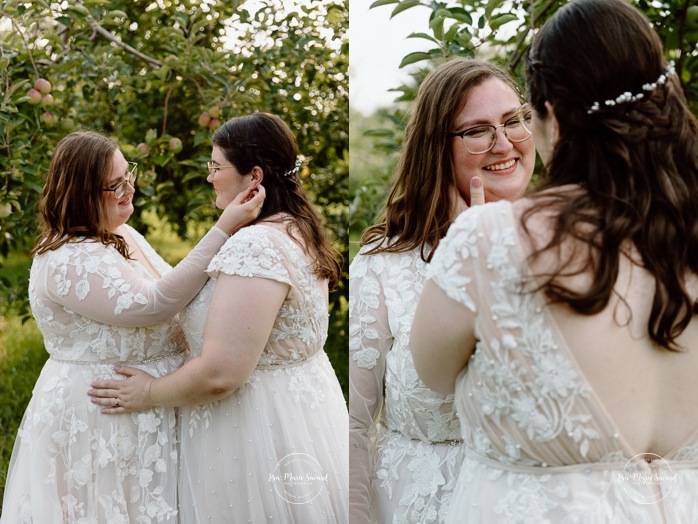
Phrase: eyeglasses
(480, 139)
(213, 167)
(131, 174)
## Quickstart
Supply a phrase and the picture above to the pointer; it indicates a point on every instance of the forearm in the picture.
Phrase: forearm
(196, 382)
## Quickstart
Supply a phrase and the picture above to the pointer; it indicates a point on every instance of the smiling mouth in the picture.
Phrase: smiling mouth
(500, 167)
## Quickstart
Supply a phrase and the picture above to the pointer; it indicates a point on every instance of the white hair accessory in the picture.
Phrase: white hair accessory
(295, 169)
(629, 97)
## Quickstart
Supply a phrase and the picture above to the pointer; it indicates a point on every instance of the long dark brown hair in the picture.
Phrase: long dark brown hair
(419, 210)
(72, 205)
(637, 161)
(264, 140)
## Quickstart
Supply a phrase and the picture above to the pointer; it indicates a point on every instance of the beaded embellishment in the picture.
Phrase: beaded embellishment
(629, 97)
(295, 169)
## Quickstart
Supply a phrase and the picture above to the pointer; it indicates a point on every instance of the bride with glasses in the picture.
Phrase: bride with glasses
(465, 143)
(101, 296)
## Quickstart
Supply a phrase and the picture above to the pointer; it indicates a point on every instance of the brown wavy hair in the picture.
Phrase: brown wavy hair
(72, 206)
(637, 161)
(418, 211)
(264, 140)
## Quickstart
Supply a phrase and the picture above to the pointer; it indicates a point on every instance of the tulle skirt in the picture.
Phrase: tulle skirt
(276, 450)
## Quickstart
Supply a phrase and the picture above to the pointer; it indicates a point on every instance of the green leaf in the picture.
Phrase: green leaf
(491, 6)
(379, 3)
(502, 19)
(404, 6)
(151, 136)
(437, 25)
(451, 33)
(460, 14)
(414, 57)
(64, 20)
(425, 36)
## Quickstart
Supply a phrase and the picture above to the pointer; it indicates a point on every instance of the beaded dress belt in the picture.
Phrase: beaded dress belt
(282, 365)
(120, 362)
(452, 442)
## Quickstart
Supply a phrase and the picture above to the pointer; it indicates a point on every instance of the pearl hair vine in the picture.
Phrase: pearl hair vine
(296, 168)
(629, 97)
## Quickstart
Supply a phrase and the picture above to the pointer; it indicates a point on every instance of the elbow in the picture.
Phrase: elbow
(220, 383)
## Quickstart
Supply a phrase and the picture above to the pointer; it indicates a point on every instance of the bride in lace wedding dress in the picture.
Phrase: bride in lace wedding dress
(264, 433)
(566, 322)
(95, 307)
(403, 469)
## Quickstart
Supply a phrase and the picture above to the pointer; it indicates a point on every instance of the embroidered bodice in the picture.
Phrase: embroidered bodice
(267, 251)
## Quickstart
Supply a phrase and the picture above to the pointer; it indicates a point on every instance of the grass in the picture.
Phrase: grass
(22, 356)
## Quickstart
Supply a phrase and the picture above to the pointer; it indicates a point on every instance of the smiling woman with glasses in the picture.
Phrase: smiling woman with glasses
(437, 177)
(131, 174)
(480, 139)
(102, 296)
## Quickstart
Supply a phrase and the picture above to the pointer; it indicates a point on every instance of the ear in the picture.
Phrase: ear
(553, 127)
(257, 176)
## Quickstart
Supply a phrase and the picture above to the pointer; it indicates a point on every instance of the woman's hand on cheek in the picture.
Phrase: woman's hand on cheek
(123, 396)
(243, 210)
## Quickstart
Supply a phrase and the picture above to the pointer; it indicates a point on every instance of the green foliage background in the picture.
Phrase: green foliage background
(496, 30)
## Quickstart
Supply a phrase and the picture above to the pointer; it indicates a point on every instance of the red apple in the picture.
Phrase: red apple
(47, 100)
(34, 97)
(215, 112)
(49, 118)
(175, 145)
(204, 119)
(214, 123)
(43, 86)
(143, 148)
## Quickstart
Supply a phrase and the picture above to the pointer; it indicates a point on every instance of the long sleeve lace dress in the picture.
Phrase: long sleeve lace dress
(275, 450)
(95, 308)
(404, 438)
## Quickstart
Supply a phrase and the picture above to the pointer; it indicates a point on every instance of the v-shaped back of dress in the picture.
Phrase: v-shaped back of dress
(533, 426)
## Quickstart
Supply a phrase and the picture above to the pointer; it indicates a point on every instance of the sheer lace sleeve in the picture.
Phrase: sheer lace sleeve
(97, 282)
(254, 251)
(451, 268)
(370, 339)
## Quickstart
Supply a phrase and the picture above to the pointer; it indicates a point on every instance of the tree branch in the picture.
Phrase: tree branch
(26, 44)
(106, 34)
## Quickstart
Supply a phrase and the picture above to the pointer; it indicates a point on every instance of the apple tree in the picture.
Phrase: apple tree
(160, 76)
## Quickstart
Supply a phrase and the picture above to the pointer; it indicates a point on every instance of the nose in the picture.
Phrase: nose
(209, 178)
(501, 141)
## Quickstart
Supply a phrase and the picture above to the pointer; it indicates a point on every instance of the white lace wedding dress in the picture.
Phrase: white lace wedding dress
(276, 449)
(539, 446)
(94, 308)
(403, 469)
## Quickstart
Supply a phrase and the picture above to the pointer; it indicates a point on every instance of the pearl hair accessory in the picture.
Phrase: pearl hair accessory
(629, 97)
(295, 169)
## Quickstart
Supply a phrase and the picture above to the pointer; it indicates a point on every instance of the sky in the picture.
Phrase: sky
(377, 45)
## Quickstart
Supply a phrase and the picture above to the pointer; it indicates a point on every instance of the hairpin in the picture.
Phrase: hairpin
(629, 97)
(295, 169)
